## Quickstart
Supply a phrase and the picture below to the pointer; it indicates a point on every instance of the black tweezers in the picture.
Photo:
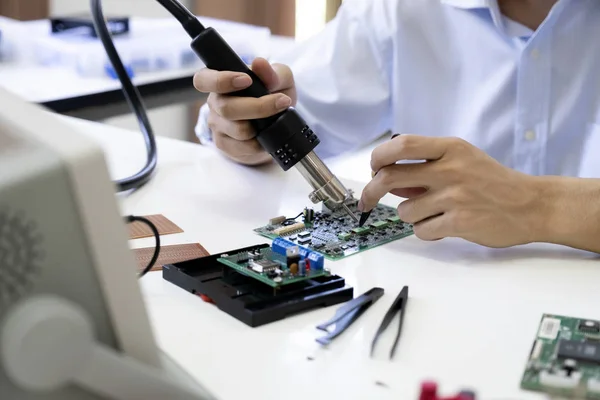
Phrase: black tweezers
(399, 305)
(348, 313)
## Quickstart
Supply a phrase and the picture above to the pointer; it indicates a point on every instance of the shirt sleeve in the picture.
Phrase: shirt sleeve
(342, 78)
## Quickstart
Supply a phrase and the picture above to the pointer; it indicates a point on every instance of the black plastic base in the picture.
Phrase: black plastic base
(249, 300)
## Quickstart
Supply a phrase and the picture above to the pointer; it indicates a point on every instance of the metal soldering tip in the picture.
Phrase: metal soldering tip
(349, 212)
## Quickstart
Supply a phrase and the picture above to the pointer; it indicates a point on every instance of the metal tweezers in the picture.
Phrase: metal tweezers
(399, 305)
(348, 313)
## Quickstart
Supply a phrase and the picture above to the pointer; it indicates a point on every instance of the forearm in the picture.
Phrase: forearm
(570, 212)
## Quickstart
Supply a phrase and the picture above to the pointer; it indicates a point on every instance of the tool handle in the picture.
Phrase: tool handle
(216, 54)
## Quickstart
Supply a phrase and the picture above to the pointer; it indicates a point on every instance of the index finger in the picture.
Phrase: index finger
(211, 81)
(408, 147)
(397, 176)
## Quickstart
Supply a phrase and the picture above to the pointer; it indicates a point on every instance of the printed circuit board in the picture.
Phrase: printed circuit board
(565, 358)
(334, 234)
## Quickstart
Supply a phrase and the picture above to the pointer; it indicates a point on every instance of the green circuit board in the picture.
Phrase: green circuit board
(268, 267)
(565, 358)
(334, 234)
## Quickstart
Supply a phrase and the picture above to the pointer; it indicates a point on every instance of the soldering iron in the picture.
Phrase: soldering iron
(285, 136)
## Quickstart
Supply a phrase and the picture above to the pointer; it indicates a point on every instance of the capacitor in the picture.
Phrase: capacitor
(309, 215)
(294, 269)
(302, 267)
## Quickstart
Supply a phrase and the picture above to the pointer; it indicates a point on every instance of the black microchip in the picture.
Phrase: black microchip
(304, 234)
(580, 351)
(589, 326)
(304, 241)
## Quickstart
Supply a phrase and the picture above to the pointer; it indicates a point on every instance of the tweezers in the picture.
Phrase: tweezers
(399, 305)
(348, 313)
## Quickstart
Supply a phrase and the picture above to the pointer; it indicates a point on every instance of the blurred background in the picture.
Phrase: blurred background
(174, 115)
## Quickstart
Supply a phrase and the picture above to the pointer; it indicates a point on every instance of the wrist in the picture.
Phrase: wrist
(555, 222)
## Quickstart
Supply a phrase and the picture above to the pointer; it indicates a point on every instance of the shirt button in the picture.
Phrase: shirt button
(535, 54)
(530, 135)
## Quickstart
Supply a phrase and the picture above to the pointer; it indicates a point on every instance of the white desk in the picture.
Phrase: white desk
(63, 91)
(472, 315)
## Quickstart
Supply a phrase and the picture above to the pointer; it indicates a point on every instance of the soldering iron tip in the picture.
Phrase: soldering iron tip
(349, 212)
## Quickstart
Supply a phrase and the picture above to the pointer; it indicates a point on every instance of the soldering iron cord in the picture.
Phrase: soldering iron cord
(134, 100)
(190, 23)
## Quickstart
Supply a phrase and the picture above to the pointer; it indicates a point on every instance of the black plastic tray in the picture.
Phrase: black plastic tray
(251, 301)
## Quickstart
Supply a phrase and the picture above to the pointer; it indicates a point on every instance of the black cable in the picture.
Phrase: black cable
(133, 98)
(190, 23)
(133, 218)
(290, 221)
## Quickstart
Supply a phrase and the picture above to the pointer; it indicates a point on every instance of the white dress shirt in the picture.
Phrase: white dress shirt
(456, 68)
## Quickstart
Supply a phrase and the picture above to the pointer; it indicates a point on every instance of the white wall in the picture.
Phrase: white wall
(171, 121)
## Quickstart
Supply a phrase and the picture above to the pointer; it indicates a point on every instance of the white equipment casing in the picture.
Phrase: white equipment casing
(64, 259)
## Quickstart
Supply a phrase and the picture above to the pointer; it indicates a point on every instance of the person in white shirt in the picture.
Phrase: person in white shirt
(500, 99)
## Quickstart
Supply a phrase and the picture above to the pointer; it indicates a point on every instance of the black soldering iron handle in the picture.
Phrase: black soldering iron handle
(216, 53)
(286, 136)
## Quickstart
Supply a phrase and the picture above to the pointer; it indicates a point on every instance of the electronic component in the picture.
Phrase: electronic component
(309, 215)
(563, 360)
(361, 231)
(536, 349)
(589, 326)
(379, 224)
(292, 259)
(344, 236)
(277, 220)
(285, 230)
(263, 265)
(336, 236)
(278, 265)
(588, 352)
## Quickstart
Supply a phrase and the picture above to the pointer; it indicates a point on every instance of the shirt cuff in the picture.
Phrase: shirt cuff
(202, 130)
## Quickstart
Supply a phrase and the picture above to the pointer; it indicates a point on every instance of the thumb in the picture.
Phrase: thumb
(275, 77)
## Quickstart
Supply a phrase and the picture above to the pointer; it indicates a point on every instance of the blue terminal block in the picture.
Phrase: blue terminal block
(280, 246)
(315, 260)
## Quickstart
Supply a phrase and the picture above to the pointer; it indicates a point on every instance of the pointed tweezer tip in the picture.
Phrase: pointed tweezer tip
(364, 216)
